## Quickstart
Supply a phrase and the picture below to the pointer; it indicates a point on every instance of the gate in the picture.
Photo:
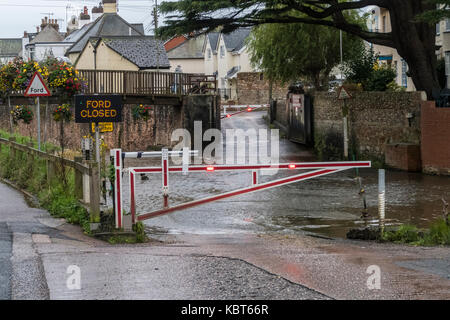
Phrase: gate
(318, 169)
(300, 118)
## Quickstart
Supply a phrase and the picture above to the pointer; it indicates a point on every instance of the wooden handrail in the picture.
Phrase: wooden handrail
(66, 162)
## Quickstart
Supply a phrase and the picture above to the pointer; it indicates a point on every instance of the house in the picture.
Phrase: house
(10, 49)
(47, 43)
(381, 22)
(107, 24)
(174, 42)
(226, 55)
(188, 56)
(128, 53)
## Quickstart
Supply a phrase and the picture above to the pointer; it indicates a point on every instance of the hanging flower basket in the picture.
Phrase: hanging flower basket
(141, 112)
(22, 113)
(62, 113)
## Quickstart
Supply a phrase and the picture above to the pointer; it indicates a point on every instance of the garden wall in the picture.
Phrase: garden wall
(129, 135)
(253, 88)
(376, 120)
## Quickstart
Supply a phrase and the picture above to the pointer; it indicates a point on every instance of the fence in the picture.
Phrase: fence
(87, 184)
(147, 83)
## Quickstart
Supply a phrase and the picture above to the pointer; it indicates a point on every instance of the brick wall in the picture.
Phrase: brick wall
(435, 138)
(129, 135)
(376, 119)
(253, 88)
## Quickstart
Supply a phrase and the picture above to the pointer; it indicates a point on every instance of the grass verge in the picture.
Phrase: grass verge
(30, 174)
(437, 234)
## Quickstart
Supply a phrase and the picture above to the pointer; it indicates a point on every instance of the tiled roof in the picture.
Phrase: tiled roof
(48, 34)
(10, 47)
(108, 25)
(144, 52)
(213, 38)
(235, 40)
(190, 49)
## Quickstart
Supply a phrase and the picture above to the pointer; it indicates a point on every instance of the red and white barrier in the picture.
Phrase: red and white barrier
(320, 169)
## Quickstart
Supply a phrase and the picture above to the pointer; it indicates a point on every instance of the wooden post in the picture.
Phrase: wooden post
(78, 180)
(51, 171)
(94, 197)
(12, 150)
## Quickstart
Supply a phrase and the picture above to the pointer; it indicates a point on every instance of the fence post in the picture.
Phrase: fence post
(51, 171)
(78, 180)
(94, 197)
(12, 150)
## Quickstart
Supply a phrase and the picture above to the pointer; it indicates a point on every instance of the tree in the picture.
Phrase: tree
(440, 12)
(294, 43)
(413, 38)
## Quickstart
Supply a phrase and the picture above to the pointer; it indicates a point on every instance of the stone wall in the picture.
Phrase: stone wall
(376, 119)
(130, 135)
(253, 88)
(435, 138)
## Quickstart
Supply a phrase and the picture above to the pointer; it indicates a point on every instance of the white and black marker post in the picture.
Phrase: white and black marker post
(381, 197)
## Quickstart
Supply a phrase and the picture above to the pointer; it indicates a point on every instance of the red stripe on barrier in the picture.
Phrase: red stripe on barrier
(165, 173)
(290, 166)
(236, 193)
(118, 155)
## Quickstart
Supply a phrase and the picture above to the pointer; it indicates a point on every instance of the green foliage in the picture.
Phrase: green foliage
(139, 228)
(363, 68)
(437, 234)
(294, 43)
(31, 174)
(329, 146)
(380, 78)
(405, 234)
(434, 16)
(359, 68)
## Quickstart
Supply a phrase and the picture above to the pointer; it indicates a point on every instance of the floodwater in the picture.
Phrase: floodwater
(326, 206)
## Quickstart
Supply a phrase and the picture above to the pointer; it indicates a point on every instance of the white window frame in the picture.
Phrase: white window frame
(404, 75)
(447, 63)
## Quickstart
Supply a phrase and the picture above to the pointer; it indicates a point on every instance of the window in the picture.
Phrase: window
(209, 54)
(447, 24)
(384, 24)
(223, 82)
(222, 51)
(404, 76)
(447, 63)
(438, 28)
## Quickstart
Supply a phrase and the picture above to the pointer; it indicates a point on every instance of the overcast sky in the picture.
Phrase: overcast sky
(16, 16)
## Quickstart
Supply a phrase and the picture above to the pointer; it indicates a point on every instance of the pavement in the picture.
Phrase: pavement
(37, 251)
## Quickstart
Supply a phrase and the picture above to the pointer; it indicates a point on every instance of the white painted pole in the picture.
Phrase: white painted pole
(345, 138)
(381, 197)
(38, 115)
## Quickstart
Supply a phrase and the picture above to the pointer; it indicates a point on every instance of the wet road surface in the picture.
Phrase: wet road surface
(327, 206)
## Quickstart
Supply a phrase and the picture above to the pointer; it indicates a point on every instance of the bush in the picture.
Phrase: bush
(380, 77)
(364, 69)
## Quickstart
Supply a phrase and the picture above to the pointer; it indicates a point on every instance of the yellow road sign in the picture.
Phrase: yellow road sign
(103, 127)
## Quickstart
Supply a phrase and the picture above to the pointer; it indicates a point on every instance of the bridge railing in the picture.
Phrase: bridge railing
(147, 83)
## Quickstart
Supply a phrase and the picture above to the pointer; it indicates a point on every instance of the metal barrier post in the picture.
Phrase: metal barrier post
(117, 158)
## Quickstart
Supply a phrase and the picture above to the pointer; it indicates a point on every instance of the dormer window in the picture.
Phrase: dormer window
(209, 54)
(222, 51)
